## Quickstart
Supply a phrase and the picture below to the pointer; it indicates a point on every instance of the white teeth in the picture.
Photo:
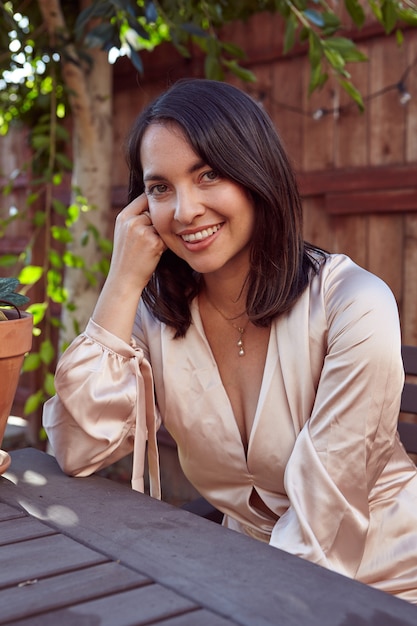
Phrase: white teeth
(201, 234)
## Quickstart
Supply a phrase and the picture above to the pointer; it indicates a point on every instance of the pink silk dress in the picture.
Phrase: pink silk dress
(323, 453)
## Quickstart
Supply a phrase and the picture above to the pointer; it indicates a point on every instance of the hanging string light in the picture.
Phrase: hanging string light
(318, 114)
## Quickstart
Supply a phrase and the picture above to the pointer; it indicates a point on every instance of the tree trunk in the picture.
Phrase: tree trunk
(92, 151)
(90, 89)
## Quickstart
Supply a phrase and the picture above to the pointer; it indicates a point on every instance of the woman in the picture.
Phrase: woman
(276, 367)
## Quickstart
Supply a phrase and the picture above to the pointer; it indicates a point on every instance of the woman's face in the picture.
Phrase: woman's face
(203, 218)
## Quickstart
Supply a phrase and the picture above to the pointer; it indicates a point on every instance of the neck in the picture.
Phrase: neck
(226, 296)
(232, 308)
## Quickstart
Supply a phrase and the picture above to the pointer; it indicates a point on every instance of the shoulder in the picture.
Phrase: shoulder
(342, 283)
(355, 304)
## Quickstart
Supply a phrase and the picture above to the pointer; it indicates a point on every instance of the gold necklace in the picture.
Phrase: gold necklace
(240, 329)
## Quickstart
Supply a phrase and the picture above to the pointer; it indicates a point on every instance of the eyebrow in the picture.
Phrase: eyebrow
(194, 168)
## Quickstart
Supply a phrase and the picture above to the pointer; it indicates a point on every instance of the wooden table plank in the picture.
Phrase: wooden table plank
(10, 512)
(135, 607)
(43, 556)
(197, 618)
(22, 528)
(47, 594)
(232, 575)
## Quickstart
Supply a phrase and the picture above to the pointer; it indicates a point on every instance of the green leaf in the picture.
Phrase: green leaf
(106, 245)
(73, 213)
(32, 197)
(353, 93)
(315, 50)
(290, 31)
(389, 15)
(213, 68)
(331, 23)
(102, 36)
(39, 218)
(240, 71)
(64, 161)
(72, 260)
(151, 13)
(356, 12)
(345, 48)
(46, 351)
(399, 37)
(104, 266)
(59, 207)
(34, 402)
(8, 286)
(233, 50)
(38, 310)
(7, 260)
(32, 362)
(136, 60)
(55, 259)
(193, 29)
(61, 234)
(40, 141)
(49, 384)
(335, 59)
(30, 274)
(317, 78)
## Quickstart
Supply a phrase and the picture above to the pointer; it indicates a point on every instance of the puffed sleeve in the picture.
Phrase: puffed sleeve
(351, 432)
(103, 408)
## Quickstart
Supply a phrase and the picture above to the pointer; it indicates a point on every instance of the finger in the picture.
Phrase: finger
(138, 206)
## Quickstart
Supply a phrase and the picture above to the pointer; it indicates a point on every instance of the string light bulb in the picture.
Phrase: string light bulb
(405, 95)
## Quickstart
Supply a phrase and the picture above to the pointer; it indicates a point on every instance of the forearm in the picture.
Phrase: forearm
(116, 308)
(91, 420)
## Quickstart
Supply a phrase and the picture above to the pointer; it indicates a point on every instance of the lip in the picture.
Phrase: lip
(201, 242)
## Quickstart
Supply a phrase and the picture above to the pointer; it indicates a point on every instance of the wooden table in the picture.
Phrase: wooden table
(89, 551)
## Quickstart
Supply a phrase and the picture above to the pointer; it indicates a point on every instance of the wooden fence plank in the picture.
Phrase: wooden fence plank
(351, 146)
(409, 302)
(387, 115)
(385, 250)
(316, 224)
(411, 106)
(287, 92)
(318, 134)
(350, 237)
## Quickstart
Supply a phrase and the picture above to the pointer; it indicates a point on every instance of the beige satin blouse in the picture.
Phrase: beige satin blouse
(323, 452)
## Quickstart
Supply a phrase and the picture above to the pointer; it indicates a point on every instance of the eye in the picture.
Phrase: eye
(157, 190)
(210, 175)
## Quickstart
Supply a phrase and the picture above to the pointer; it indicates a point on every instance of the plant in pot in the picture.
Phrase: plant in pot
(15, 341)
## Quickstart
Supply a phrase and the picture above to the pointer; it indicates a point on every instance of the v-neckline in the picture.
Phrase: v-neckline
(271, 356)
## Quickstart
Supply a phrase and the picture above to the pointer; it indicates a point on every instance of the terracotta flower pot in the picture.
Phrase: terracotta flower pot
(15, 341)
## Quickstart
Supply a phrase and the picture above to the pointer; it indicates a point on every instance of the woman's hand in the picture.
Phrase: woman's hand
(136, 253)
(137, 245)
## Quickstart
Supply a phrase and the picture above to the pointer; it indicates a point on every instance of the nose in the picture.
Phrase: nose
(188, 206)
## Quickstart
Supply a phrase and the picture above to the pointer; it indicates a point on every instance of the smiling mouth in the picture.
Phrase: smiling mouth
(201, 234)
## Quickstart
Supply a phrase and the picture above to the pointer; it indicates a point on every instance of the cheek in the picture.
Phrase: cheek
(160, 220)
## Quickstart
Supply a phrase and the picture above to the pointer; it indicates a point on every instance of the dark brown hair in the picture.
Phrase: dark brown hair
(233, 135)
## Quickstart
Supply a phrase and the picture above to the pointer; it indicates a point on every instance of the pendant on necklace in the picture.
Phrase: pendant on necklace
(240, 342)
